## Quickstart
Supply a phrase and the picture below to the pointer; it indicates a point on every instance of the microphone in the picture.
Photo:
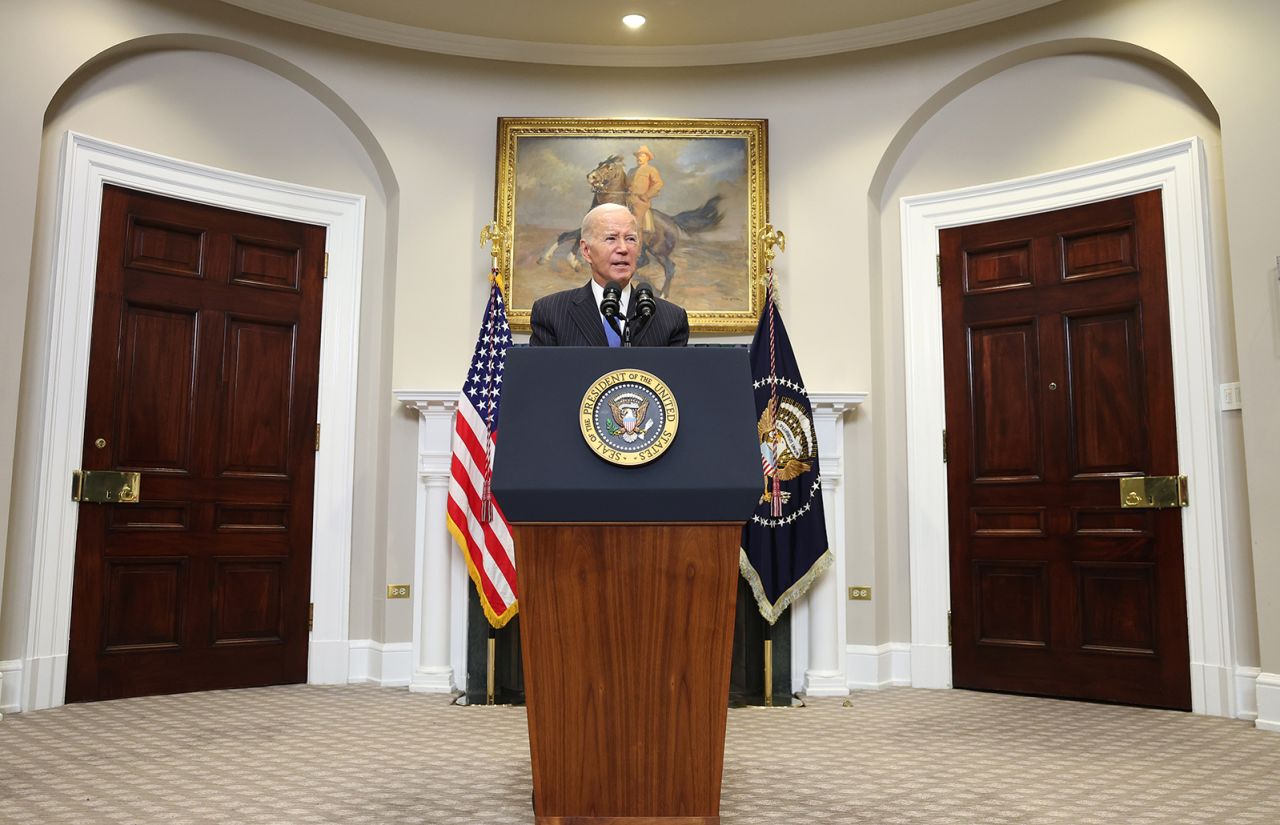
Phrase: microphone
(645, 305)
(611, 305)
(611, 302)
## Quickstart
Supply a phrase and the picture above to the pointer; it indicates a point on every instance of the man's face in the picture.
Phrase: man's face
(611, 247)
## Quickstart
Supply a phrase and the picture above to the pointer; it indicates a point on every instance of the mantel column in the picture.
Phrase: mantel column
(826, 674)
(432, 672)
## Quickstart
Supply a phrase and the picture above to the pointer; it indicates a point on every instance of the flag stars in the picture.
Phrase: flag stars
(780, 381)
(793, 517)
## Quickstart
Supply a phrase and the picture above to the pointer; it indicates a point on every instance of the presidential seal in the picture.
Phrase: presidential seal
(629, 417)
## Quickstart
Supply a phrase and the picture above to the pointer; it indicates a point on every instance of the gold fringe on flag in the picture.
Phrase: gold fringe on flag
(772, 611)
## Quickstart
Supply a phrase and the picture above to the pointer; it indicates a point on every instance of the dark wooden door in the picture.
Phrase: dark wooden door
(203, 373)
(1058, 382)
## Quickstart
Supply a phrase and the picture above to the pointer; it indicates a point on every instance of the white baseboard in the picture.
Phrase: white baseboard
(825, 683)
(43, 681)
(385, 664)
(328, 662)
(437, 679)
(1268, 687)
(1247, 692)
(930, 666)
(1217, 690)
(877, 666)
(10, 687)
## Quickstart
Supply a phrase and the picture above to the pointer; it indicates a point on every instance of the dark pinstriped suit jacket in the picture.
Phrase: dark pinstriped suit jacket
(572, 319)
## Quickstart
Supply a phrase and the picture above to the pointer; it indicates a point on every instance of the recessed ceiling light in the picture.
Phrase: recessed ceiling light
(633, 21)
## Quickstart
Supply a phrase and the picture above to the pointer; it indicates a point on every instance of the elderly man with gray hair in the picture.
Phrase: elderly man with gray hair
(573, 318)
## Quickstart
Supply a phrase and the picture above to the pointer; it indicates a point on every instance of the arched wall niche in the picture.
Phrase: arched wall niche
(304, 80)
(880, 180)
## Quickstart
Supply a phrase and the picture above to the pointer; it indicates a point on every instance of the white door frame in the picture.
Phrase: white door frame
(87, 164)
(1178, 170)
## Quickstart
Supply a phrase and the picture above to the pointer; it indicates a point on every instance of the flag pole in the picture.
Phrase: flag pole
(771, 238)
(493, 236)
(768, 664)
(489, 667)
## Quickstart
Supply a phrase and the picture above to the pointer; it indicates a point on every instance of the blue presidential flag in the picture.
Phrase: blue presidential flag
(784, 546)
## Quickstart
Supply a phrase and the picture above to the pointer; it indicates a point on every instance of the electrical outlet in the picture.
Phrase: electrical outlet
(859, 594)
(397, 591)
(1230, 396)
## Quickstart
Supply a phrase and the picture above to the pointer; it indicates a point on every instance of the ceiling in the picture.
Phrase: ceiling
(678, 32)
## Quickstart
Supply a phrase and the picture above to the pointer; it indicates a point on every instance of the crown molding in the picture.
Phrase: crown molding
(314, 16)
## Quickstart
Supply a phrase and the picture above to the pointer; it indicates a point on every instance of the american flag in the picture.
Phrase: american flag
(482, 532)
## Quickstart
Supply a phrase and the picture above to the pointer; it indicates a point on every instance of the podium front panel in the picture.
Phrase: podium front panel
(544, 470)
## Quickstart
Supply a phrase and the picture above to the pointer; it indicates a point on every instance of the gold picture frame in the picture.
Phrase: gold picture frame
(701, 245)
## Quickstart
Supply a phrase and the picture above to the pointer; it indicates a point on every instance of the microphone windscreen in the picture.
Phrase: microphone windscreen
(611, 301)
(645, 305)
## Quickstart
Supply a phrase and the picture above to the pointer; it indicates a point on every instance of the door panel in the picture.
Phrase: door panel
(1058, 382)
(1006, 430)
(258, 401)
(1106, 390)
(1011, 603)
(203, 376)
(143, 603)
(158, 360)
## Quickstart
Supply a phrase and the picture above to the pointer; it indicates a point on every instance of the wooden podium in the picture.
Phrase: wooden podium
(627, 632)
(627, 585)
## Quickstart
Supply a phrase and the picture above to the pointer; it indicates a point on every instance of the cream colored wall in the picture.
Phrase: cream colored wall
(842, 146)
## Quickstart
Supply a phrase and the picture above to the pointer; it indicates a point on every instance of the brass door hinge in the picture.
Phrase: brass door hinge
(317, 436)
(326, 265)
(948, 628)
(939, 262)
(311, 616)
(945, 454)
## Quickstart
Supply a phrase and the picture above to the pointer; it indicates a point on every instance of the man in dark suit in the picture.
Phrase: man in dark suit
(572, 318)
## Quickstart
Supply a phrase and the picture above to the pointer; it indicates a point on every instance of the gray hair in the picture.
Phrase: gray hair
(589, 219)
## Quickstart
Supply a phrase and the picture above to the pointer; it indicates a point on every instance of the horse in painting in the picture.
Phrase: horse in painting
(610, 184)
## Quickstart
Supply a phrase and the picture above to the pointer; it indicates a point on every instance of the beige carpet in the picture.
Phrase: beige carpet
(380, 755)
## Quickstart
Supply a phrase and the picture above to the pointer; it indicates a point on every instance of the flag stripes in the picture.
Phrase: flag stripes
(487, 546)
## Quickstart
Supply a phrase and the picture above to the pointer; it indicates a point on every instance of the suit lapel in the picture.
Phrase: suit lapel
(586, 315)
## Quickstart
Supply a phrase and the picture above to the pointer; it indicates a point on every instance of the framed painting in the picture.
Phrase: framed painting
(699, 189)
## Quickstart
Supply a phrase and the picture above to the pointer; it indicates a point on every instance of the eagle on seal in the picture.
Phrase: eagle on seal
(628, 416)
(787, 443)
